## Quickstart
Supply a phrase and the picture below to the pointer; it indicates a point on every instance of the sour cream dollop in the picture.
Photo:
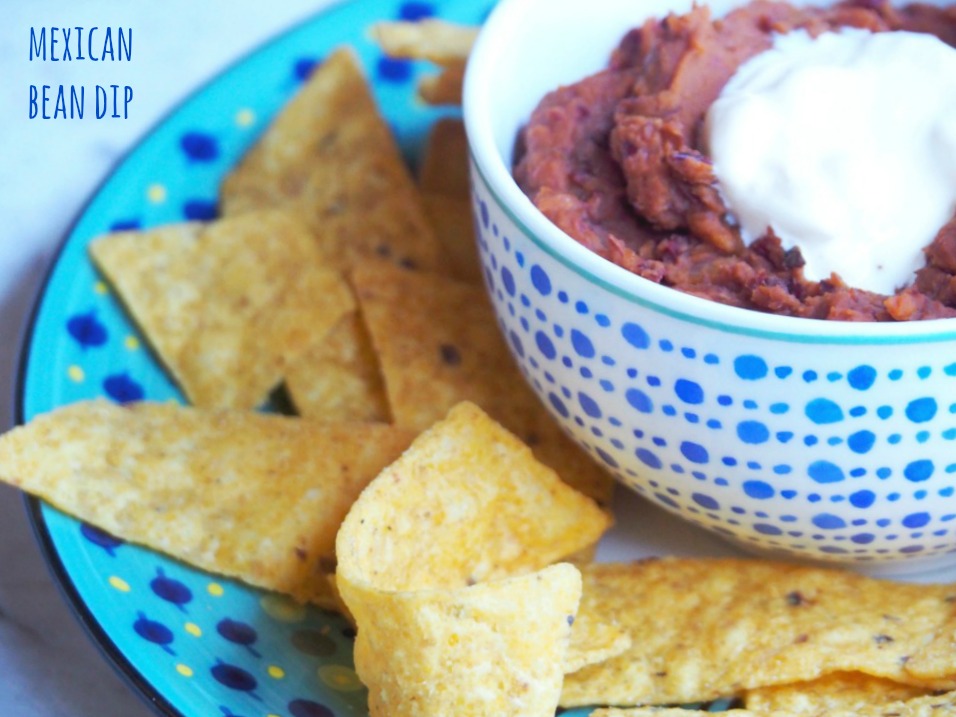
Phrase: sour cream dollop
(845, 145)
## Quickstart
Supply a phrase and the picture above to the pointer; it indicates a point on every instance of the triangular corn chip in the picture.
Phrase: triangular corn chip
(939, 705)
(703, 629)
(252, 496)
(467, 502)
(339, 378)
(436, 562)
(494, 648)
(438, 344)
(847, 691)
(227, 305)
(330, 158)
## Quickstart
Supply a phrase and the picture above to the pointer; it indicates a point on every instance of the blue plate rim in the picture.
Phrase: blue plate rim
(134, 679)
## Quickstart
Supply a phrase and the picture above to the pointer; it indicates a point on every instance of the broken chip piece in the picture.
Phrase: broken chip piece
(228, 306)
(330, 158)
(846, 691)
(247, 495)
(704, 629)
(438, 344)
(444, 564)
(443, 43)
(339, 378)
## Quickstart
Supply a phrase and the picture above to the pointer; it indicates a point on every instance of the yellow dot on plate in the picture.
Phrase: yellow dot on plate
(276, 672)
(76, 374)
(119, 584)
(100, 287)
(184, 670)
(156, 193)
(245, 117)
(215, 589)
(282, 608)
(131, 342)
(193, 629)
(340, 678)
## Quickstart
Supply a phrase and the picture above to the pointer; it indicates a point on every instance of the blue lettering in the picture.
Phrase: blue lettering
(37, 44)
(126, 43)
(67, 56)
(33, 102)
(101, 102)
(89, 43)
(108, 45)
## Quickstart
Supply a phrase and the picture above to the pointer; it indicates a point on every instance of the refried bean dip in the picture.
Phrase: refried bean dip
(616, 161)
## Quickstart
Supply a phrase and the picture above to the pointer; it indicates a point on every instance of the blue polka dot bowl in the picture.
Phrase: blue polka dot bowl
(816, 440)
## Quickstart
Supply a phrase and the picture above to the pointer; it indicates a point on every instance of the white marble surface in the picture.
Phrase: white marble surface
(48, 666)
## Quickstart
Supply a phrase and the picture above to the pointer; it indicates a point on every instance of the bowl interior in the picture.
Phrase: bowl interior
(530, 47)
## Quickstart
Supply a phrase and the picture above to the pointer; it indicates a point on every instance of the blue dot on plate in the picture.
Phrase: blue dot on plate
(391, 69)
(87, 330)
(412, 11)
(121, 388)
(200, 210)
(199, 146)
(767, 529)
(125, 225)
(303, 67)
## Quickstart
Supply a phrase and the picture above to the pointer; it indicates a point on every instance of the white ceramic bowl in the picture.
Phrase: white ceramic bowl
(820, 440)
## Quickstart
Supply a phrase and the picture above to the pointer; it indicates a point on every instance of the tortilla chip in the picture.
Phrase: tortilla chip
(489, 649)
(339, 378)
(444, 88)
(848, 691)
(928, 706)
(466, 503)
(438, 41)
(330, 158)
(454, 226)
(228, 306)
(435, 564)
(703, 629)
(594, 641)
(444, 167)
(438, 344)
(250, 496)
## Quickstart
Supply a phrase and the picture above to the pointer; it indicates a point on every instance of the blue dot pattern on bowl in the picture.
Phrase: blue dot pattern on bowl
(709, 428)
(202, 646)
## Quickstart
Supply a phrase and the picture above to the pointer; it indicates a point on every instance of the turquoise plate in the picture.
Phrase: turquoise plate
(194, 644)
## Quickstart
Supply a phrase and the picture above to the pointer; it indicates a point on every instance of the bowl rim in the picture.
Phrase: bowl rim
(478, 107)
